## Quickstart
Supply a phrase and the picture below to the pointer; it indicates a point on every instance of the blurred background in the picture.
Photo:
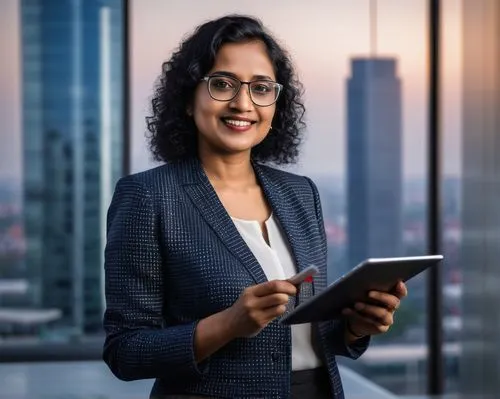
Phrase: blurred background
(76, 80)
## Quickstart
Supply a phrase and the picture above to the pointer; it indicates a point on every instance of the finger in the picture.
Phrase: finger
(273, 312)
(378, 314)
(347, 312)
(271, 300)
(369, 323)
(274, 286)
(385, 299)
(400, 290)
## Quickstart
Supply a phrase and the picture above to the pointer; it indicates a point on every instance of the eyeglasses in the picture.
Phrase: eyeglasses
(263, 93)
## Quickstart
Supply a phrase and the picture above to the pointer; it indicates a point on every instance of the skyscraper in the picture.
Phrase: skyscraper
(72, 62)
(374, 168)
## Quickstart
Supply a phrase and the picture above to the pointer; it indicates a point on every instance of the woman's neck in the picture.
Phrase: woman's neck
(234, 170)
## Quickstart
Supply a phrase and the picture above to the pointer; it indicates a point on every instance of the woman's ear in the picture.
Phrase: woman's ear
(189, 110)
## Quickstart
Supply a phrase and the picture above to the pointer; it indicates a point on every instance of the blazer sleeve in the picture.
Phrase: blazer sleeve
(334, 330)
(138, 345)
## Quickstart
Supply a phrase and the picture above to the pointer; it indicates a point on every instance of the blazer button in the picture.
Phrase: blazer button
(275, 356)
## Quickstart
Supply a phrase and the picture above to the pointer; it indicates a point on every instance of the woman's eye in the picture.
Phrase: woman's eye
(261, 88)
(221, 84)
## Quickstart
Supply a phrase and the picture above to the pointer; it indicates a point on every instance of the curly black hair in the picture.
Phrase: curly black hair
(173, 134)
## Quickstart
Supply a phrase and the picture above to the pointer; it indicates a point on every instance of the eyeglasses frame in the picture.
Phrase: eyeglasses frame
(208, 77)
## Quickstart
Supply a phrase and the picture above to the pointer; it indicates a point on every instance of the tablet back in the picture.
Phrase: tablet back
(380, 274)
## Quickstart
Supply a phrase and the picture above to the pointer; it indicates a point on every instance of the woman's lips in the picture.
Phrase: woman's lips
(237, 125)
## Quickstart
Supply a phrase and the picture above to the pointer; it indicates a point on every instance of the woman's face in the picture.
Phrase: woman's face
(232, 127)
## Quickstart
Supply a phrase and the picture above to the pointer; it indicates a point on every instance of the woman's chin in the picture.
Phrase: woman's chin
(238, 146)
(233, 145)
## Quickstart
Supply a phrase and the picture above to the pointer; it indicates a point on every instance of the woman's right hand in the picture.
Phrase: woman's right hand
(257, 306)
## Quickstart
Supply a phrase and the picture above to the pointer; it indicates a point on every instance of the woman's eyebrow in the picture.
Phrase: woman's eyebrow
(233, 75)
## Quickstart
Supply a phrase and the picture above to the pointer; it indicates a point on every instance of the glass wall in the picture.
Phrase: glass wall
(365, 76)
(61, 95)
(64, 143)
(479, 365)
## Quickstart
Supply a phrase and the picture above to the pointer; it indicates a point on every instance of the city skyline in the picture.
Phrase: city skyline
(318, 67)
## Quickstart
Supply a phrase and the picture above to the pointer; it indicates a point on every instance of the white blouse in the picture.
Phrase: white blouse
(277, 263)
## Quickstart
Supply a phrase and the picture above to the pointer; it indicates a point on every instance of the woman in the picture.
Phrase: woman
(199, 250)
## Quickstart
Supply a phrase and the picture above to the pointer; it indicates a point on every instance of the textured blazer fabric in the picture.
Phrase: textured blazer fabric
(174, 256)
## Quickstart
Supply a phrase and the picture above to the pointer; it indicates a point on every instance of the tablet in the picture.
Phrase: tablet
(381, 274)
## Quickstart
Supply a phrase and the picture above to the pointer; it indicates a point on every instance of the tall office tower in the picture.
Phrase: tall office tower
(72, 85)
(374, 175)
(479, 360)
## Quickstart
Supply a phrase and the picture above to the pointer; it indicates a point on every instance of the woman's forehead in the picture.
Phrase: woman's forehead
(249, 59)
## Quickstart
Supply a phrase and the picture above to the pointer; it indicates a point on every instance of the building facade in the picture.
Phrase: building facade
(72, 86)
(374, 160)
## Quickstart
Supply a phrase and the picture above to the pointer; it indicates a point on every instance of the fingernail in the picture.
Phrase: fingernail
(359, 306)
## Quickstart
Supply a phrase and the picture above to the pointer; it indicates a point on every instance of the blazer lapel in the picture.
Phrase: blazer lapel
(285, 208)
(202, 194)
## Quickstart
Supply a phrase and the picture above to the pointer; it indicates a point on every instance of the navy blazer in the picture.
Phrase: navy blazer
(174, 256)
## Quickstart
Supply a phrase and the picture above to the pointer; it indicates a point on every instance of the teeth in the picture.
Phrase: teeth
(237, 123)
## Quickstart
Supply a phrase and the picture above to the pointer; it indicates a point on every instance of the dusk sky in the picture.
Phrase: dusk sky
(321, 40)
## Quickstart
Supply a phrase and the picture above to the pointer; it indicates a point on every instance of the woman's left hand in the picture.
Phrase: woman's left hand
(375, 317)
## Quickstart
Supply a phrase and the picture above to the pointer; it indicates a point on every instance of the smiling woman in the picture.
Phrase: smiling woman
(199, 250)
(242, 55)
(234, 122)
